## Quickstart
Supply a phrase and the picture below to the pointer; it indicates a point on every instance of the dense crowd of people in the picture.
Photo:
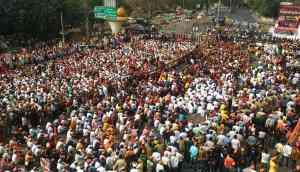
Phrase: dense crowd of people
(232, 104)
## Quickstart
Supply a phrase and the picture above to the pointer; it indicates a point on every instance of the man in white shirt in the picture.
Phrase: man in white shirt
(156, 156)
(174, 162)
(235, 143)
(166, 159)
(159, 167)
(286, 152)
(265, 157)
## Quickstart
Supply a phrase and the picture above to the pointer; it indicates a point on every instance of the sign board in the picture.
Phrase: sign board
(107, 13)
(101, 16)
(110, 3)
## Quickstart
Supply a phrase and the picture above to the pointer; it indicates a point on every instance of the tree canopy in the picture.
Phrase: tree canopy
(41, 18)
(29, 16)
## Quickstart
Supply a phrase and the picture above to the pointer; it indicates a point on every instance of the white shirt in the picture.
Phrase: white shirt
(165, 160)
(287, 150)
(60, 167)
(156, 156)
(174, 161)
(159, 168)
(14, 158)
(235, 143)
(265, 158)
(221, 139)
(101, 169)
(134, 170)
(261, 134)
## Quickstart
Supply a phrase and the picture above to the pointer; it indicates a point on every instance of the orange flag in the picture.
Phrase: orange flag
(292, 136)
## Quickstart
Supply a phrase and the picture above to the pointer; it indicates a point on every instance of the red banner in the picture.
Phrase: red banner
(290, 9)
(285, 29)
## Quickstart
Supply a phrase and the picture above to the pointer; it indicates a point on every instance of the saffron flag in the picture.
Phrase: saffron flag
(292, 136)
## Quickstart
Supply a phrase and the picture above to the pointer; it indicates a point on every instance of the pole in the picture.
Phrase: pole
(62, 28)
(219, 9)
(86, 6)
(149, 9)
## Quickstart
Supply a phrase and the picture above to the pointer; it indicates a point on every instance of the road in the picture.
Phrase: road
(240, 15)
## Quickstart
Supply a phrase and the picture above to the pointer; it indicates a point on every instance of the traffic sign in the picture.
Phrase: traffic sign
(107, 13)
(101, 16)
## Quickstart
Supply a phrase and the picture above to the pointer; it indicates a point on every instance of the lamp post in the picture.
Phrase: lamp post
(219, 9)
(87, 13)
(62, 28)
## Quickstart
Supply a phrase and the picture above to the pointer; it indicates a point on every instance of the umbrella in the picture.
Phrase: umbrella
(251, 140)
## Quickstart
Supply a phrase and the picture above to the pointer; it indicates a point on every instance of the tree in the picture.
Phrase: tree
(36, 17)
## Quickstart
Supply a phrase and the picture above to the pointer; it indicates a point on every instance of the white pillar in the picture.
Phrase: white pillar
(115, 26)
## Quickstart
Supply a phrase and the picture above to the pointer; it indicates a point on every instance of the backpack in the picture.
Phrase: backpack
(229, 163)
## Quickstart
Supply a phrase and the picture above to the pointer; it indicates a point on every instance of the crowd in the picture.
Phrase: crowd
(232, 105)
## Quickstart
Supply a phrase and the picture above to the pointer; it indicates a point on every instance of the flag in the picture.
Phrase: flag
(45, 164)
(292, 136)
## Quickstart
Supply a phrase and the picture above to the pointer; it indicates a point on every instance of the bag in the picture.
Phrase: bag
(229, 163)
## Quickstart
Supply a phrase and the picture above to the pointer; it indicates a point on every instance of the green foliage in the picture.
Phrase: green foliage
(42, 17)
(73, 12)
(96, 3)
(37, 17)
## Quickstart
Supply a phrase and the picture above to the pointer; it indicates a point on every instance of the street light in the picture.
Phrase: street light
(86, 8)
(62, 28)
(219, 8)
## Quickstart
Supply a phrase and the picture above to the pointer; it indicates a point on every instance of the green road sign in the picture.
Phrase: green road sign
(107, 13)
(100, 16)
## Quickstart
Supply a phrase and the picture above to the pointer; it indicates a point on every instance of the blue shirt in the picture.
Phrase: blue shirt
(193, 152)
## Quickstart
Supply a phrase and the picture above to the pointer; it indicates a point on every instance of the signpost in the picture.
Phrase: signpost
(106, 13)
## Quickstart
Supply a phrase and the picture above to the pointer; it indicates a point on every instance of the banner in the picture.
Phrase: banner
(293, 136)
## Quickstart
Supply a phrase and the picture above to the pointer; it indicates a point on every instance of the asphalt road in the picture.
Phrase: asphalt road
(241, 15)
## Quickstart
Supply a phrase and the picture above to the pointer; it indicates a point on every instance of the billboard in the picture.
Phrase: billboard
(289, 9)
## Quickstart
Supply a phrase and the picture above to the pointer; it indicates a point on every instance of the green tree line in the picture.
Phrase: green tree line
(41, 18)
